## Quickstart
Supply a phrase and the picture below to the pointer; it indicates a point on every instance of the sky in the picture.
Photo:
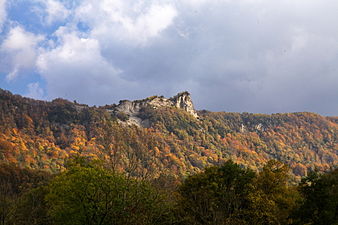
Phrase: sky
(258, 56)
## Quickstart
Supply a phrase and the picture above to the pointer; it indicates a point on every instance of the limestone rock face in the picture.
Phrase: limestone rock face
(132, 108)
(129, 107)
(183, 101)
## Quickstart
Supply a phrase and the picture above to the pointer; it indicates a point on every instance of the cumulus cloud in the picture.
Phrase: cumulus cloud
(125, 20)
(76, 70)
(234, 55)
(77, 58)
(54, 11)
(19, 51)
(124, 26)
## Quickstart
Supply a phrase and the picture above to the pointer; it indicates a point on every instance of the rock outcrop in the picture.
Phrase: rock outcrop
(183, 101)
(132, 108)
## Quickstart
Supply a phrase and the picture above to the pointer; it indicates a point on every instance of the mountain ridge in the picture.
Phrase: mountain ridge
(41, 134)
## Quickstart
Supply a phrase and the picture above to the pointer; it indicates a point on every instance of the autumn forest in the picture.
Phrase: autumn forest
(62, 162)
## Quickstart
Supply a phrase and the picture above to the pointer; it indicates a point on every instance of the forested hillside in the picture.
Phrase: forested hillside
(42, 135)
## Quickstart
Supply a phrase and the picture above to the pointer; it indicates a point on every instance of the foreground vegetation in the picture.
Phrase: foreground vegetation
(91, 193)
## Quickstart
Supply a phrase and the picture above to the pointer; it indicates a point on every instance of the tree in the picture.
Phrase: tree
(216, 196)
(273, 198)
(31, 208)
(7, 197)
(15, 181)
(320, 205)
(93, 195)
(107, 139)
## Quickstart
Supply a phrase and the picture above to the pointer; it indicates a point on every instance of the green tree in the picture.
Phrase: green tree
(320, 205)
(93, 195)
(216, 196)
(273, 198)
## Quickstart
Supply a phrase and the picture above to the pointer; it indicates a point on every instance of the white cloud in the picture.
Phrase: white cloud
(153, 21)
(56, 11)
(238, 55)
(126, 21)
(35, 91)
(226, 49)
(75, 59)
(19, 51)
(76, 70)
(51, 11)
(3, 13)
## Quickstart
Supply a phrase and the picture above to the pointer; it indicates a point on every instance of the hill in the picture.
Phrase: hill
(159, 135)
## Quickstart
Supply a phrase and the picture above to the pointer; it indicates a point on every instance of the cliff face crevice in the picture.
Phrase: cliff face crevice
(132, 108)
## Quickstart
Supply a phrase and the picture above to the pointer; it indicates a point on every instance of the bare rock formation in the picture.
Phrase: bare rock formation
(132, 108)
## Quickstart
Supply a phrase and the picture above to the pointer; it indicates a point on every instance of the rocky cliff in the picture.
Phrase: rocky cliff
(183, 101)
(129, 110)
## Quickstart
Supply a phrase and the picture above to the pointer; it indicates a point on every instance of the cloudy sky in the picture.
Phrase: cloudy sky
(258, 56)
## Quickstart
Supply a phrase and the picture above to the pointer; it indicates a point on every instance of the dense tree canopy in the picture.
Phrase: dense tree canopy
(273, 197)
(87, 192)
(97, 196)
(229, 194)
(43, 135)
(219, 195)
(320, 204)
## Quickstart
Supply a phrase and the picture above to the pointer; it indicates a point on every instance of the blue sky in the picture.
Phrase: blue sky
(258, 56)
